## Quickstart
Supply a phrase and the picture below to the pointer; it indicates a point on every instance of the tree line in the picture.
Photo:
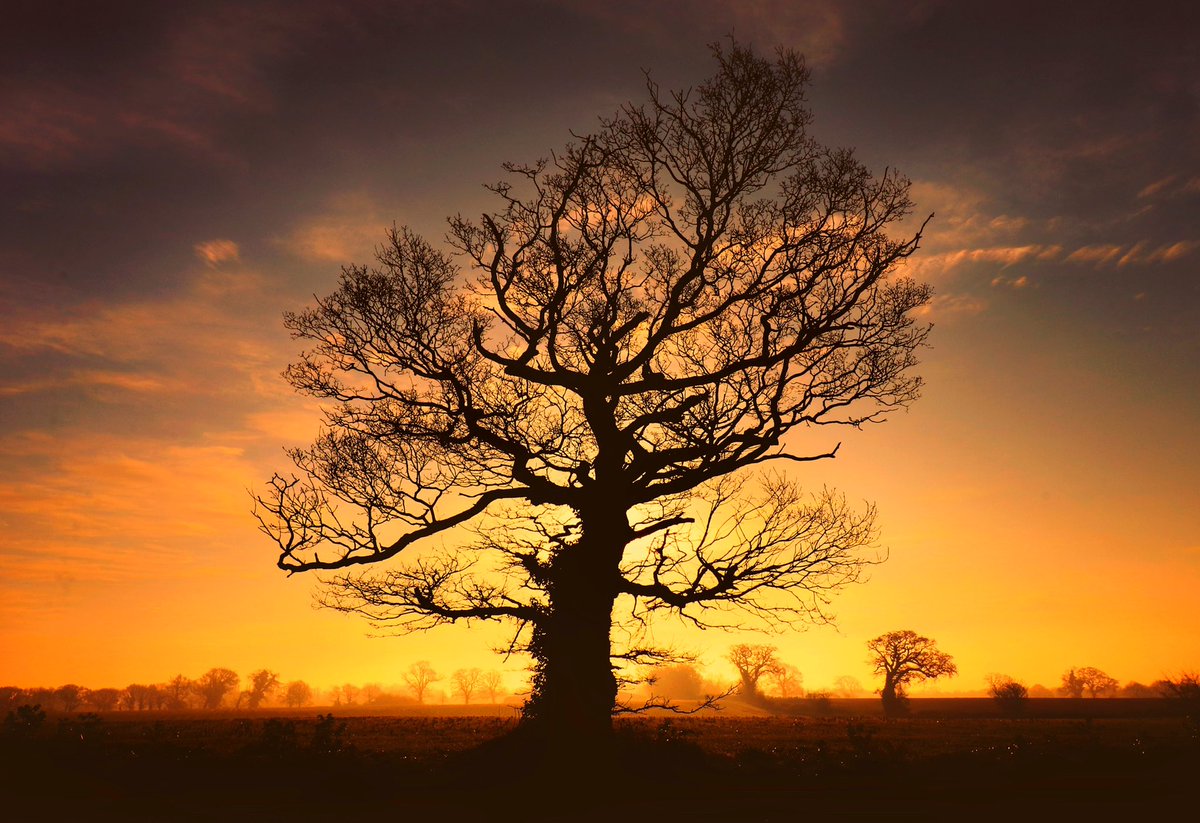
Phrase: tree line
(902, 658)
(222, 688)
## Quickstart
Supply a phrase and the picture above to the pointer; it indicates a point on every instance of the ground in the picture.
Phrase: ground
(948, 760)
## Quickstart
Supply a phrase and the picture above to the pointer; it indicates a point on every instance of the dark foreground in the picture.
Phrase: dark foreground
(310, 767)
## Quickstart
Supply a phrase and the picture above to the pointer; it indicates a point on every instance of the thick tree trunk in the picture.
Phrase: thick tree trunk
(574, 687)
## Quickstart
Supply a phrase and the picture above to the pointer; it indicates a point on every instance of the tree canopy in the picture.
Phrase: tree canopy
(583, 376)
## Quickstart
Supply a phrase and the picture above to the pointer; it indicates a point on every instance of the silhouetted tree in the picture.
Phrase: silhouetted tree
(466, 681)
(752, 662)
(1185, 688)
(847, 686)
(105, 699)
(787, 681)
(298, 694)
(905, 657)
(680, 681)
(1087, 679)
(177, 691)
(262, 684)
(69, 697)
(653, 310)
(492, 683)
(1010, 695)
(212, 686)
(419, 677)
(1139, 690)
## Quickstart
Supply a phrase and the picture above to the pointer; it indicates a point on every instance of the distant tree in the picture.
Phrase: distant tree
(419, 677)
(1075, 682)
(298, 694)
(104, 700)
(1185, 688)
(371, 693)
(11, 696)
(847, 686)
(1039, 691)
(1010, 695)
(69, 697)
(212, 686)
(787, 680)
(262, 684)
(142, 697)
(178, 691)
(466, 681)
(681, 681)
(646, 316)
(349, 693)
(492, 683)
(905, 657)
(1135, 689)
(752, 663)
(1072, 684)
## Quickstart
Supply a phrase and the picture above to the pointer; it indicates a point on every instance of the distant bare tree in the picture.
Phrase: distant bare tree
(787, 680)
(177, 691)
(847, 686)
(753, 662)
(1087, 679)
(681, 681)
(212, 686)
(105, 700)
(905, 657)
(419, 677)
(371, 693)
(466, 681)
(492, 683)
(1009, 694)
(69, 697)
(262, 684)
(298, 694)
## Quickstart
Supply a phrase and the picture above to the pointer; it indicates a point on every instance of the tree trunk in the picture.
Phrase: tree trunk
(574, 687)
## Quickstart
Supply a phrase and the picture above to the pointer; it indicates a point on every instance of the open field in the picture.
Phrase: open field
(945, 761)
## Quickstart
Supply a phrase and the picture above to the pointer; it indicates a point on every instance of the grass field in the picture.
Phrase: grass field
(948, 760)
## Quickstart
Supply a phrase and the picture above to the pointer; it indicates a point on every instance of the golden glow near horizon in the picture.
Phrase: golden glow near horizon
(1038, 502)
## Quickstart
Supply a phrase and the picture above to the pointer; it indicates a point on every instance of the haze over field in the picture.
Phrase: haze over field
(176, 178)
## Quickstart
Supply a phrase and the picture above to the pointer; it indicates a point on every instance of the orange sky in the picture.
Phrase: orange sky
(171, 194)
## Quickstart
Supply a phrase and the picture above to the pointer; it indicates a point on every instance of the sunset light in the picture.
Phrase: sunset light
(953, 392)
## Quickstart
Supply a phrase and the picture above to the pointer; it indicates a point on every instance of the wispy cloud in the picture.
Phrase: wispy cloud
(348, 230)
(216, 252)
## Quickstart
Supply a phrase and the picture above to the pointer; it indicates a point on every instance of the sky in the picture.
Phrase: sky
(173, 177)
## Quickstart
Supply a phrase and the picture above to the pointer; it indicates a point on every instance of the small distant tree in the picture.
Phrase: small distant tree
(1185, 688)
(1009, 694)
(212, 686)
(262, 684)
(1135, 689)
(681, 681)
(1093, 681)
(466, 681)
(69, 697)
(1072, 684)
(104, 700)
(349, 693)
(787, 680)
(492, 684)
(177, 692)
(371, 693)
(419, 677)
(752, 663)
(905, 657)
(297, 694)
(847, 686)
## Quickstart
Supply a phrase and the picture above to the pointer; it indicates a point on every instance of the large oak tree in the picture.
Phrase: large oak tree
(583, 376)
